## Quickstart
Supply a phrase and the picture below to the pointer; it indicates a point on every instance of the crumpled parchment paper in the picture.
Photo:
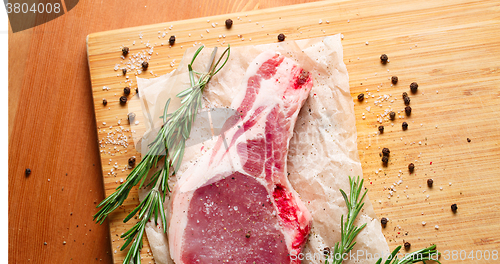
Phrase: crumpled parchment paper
(323, 151)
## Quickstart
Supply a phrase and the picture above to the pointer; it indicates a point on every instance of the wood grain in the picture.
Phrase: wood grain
(52, 127)
(450, 48)
(457, 54)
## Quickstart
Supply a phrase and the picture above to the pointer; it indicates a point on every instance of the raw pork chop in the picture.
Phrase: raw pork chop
(235, 204)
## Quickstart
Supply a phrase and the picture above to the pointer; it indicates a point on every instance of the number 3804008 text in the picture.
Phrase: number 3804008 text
(25, 8)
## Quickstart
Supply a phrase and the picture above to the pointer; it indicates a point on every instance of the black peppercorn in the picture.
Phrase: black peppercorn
(27, 172)
(392, 115)
(385, 160)
(407, 245)
(229, 23)
(248, 234)
(171, 40)
(394, 79)
(131, 161)
(407, 100)
(124, 71)
(468, 140)
(404, 126)
(408, 110)
(405, 95)
(126, 90)
(131, 117)
(430, 182)
(413, 87)
(381, 129)
(125, 51)
(104, 102)
(386, 151)
(384, 221)
(123, 100)
(145, 65)
(326, 251)
(454, 208)
(361, 97)
(411, 167)
(384, 58)
(281, 37)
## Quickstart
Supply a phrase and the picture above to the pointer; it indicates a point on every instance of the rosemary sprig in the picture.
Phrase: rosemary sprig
(349, 233)
(347, 229)
(421, 255)
(167, 148)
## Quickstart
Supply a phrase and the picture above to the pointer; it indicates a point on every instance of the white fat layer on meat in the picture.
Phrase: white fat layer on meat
(322, 153)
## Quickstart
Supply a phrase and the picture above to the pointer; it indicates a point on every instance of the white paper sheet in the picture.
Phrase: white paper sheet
(323, 151)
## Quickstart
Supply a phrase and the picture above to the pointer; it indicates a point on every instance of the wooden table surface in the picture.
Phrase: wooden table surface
(52, 127)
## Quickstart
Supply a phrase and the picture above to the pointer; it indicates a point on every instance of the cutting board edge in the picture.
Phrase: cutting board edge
(407, 38)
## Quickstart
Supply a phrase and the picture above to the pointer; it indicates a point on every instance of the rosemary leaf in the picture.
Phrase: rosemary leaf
(429, 253)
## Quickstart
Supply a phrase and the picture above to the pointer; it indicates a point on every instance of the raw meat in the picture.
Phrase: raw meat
(236, 204)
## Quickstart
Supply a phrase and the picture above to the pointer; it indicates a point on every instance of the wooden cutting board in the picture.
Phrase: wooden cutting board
(451, 48)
